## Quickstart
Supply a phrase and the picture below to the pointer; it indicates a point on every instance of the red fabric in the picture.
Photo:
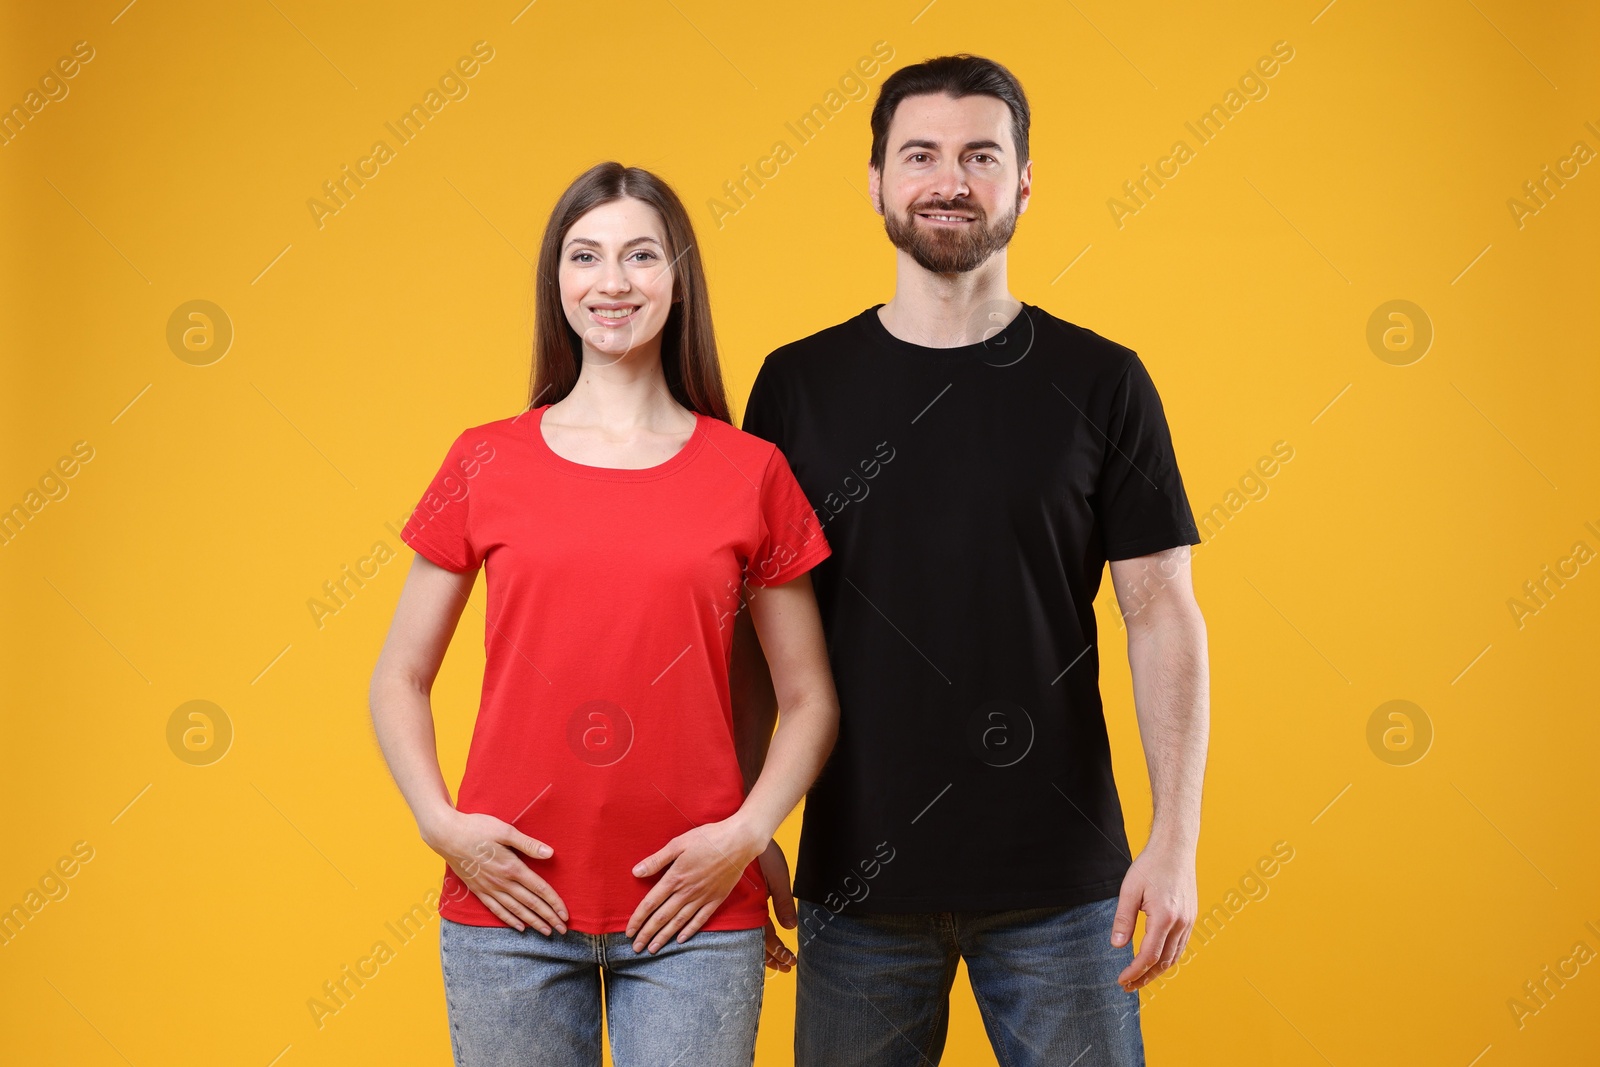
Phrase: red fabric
(605, 727)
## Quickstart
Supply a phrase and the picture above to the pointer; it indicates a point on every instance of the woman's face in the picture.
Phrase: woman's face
(616, 278)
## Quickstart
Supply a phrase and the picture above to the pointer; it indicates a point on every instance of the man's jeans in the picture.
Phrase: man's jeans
(534, 1001)
(873, 989)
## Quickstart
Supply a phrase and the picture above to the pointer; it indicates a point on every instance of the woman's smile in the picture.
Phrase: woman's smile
(611, 314)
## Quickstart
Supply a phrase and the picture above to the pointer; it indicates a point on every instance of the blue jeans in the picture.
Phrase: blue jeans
(534, 1001)
(874, 989)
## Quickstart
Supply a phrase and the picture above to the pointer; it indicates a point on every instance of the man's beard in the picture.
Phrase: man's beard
(950, 251)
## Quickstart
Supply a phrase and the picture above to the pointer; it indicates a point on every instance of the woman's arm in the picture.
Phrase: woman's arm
(704, 864)
(477, 846)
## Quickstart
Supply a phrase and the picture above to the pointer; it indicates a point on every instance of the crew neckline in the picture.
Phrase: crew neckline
(995, 350)
(618, 474)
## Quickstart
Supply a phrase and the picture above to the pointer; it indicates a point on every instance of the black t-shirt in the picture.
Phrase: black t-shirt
(972, 497)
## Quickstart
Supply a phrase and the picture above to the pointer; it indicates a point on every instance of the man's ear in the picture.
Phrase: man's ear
(875, 188)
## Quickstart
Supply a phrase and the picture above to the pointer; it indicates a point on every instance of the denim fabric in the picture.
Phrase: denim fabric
(534, 1001)
(873, 989)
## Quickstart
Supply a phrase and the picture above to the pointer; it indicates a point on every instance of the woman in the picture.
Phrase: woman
(625, 526)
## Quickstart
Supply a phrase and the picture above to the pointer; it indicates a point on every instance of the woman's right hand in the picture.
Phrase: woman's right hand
(478, 847)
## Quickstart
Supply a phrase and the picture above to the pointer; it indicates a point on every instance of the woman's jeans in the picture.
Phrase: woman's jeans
(534, 1001)
(874, 989)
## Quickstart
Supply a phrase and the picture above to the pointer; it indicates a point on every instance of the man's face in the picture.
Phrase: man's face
(951, 189)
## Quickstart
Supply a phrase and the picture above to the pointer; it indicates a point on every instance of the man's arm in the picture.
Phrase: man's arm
(1171, 684)
(1171, 695)
(755, 712)
(755, 705)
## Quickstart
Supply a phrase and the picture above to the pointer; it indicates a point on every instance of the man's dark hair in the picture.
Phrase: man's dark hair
(956, 76)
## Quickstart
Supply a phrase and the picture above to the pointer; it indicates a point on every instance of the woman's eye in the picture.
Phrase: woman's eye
(587, 257)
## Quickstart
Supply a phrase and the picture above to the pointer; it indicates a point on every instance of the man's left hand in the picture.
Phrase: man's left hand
(1161, 883)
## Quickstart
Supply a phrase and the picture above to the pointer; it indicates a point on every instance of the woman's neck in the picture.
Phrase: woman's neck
(627, 395)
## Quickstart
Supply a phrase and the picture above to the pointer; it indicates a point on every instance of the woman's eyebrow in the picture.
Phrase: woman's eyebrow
(590, 242)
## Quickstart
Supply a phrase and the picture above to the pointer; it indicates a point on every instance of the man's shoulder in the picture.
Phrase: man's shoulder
(807, 352)
(817, 352)
(1083, 345)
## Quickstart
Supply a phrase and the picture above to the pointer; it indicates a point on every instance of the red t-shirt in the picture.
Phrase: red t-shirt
(605, 727)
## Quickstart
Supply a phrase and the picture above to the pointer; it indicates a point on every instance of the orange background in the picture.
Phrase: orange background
(1426, 487)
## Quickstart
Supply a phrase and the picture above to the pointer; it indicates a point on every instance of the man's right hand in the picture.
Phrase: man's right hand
(478, 848)
(775, 869)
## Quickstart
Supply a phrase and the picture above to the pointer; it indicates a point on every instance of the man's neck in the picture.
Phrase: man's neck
(949, 310)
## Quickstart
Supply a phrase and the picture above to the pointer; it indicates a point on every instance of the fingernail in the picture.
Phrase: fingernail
(639, 871)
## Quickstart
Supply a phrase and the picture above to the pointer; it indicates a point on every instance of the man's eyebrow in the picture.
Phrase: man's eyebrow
(590, 242)
(969, 146)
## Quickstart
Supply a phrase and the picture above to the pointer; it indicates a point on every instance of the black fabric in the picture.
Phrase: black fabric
(972, 497)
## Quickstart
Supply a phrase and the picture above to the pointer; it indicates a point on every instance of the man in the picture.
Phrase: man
(974, 463)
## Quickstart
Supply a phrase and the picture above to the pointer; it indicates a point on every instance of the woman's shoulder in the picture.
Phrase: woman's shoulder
(727, 435)
(747, 453)
(498, 431)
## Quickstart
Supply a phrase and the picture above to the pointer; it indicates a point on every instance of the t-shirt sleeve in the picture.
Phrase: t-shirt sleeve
(763, 412)
(1141, 500)
(791, 540)
(440, 528)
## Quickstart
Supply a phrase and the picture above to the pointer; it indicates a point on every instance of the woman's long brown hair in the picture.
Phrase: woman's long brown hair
(688, 343)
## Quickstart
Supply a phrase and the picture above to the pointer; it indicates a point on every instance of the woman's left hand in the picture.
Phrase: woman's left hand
(700, 867)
